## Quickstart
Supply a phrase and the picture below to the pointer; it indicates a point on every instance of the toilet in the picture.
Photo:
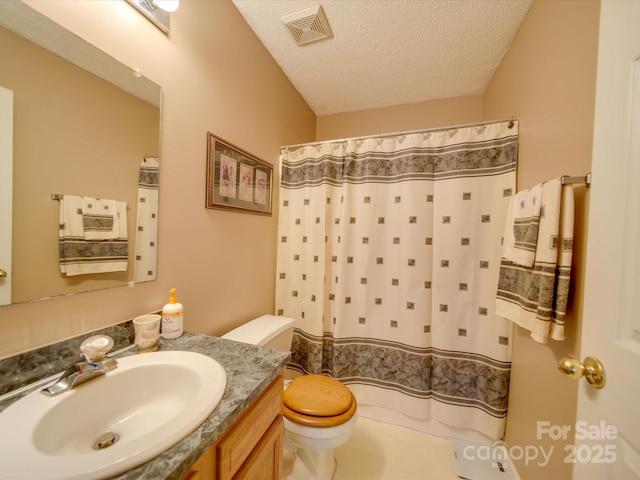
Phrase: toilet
(319, 412)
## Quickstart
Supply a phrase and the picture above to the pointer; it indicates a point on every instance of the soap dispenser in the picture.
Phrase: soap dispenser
(172, 317)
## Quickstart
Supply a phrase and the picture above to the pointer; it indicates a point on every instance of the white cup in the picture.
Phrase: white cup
(147, 333)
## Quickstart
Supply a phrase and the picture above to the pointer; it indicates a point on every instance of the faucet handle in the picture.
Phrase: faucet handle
(96, 347)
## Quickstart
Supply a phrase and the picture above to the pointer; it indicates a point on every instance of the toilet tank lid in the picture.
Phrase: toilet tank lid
(260, 330)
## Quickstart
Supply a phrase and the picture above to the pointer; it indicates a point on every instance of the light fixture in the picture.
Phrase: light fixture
(157, 11)
(166, 5)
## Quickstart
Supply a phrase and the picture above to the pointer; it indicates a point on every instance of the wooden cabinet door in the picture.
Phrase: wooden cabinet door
(204, 468)
(265, 462)
(239, 442)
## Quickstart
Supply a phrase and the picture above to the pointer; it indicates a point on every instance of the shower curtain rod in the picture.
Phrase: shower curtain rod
(406, 132)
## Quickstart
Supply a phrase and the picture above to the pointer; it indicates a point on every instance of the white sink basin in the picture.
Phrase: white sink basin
(151, 401)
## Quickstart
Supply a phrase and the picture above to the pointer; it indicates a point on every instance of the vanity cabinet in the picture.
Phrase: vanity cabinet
(204, 468)
(252, 447)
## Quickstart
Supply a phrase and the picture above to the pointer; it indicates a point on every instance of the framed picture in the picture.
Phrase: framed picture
(236, 180)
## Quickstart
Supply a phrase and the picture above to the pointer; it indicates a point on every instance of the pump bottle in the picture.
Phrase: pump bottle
(172, 317)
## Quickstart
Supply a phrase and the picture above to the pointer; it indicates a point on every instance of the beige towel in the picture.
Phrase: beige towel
(536, 297)
(146, 244)
(79, 256)
(100, 219)
(521, 232)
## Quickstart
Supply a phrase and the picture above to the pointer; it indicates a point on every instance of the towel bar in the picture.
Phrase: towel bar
(566, 180)
(60, 196)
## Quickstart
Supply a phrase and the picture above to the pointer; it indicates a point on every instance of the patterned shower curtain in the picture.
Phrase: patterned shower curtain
(147, 221)
(388, 261)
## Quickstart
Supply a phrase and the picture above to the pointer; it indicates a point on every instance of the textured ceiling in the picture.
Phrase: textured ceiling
(389, 52)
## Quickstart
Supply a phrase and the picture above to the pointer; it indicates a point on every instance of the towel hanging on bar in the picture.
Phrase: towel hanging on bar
(100, 219)
(536, 298)
(80, 256)
(521, 236)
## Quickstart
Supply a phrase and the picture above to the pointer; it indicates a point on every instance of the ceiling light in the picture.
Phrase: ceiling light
(157, 11)
(166, 5)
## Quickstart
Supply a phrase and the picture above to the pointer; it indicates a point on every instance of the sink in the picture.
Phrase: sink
(112, 423)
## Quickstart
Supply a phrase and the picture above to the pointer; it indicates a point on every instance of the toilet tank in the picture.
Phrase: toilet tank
(267, 330)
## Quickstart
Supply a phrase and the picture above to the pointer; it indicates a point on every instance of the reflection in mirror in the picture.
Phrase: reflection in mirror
(84, 125)
(6, 193)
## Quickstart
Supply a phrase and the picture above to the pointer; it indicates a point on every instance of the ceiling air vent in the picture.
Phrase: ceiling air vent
(308, 25)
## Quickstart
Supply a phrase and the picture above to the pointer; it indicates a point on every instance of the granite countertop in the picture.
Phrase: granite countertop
(249, 368)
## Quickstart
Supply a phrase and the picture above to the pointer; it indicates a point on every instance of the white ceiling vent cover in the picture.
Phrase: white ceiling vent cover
(308, 25)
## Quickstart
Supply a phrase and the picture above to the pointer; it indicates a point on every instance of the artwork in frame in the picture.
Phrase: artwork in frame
(236, 180)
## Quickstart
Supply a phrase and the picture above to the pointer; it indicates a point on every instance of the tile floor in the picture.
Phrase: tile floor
(379, 451)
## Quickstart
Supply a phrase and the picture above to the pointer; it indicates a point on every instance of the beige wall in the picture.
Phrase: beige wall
(547, 81)
(75, 133)
(400, 118)
(216, 76)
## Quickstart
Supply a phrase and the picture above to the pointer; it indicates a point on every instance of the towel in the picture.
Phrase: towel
(79, 256)
(536, 297)
(146, 244)
(521, 233)
(100, 219)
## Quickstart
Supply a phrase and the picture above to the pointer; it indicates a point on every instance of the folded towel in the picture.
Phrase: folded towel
(521, 232)
(99, 219)
(536, 297)
(79, 256)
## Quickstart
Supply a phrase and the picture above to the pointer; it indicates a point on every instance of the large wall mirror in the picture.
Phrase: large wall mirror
(84, 125)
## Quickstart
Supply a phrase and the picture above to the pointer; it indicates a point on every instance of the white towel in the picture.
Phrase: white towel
(521, 231)
(536, 297)
(146, 243)
(79, 256)
(100, 219)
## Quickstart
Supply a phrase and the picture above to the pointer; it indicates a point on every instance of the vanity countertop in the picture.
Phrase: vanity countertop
(249, 370)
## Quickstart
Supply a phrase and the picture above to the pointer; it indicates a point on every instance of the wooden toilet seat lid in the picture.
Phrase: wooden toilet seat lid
(319, 422)
(318, 396)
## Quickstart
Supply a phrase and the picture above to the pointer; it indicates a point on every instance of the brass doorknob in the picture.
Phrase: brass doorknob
(3, 274)
(592, 369)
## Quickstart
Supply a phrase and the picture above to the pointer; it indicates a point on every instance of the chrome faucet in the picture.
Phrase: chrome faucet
(78, 374)
(94, 350)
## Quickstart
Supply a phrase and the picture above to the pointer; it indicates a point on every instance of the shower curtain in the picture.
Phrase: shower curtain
(146, 246)
(388, 259)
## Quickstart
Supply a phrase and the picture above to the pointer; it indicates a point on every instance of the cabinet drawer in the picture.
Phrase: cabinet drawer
(234, 448)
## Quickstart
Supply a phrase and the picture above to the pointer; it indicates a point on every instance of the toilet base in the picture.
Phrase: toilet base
(314, 446)
(321, 464)
(312, 464)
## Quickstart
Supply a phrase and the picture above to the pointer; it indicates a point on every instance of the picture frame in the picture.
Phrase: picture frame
(237, 180)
